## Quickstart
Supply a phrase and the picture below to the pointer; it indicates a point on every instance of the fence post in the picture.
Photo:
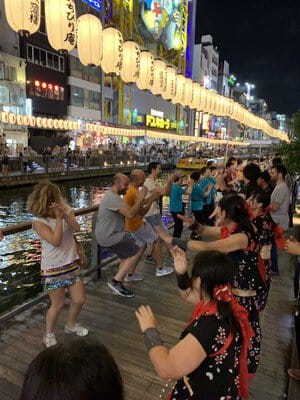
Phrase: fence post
(96, 255)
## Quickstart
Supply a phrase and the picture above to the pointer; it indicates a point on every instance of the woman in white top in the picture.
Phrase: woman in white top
(55, 223)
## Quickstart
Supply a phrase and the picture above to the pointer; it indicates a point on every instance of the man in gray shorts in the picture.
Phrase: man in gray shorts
(153, 216)
(142, 231)
(110, 231)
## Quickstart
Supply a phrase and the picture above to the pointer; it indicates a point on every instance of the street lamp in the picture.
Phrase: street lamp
(249, 86)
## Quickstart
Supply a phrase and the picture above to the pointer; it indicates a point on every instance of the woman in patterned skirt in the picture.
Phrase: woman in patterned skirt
(259, 202)
(235, 237)
(210, 361)
(55, 223)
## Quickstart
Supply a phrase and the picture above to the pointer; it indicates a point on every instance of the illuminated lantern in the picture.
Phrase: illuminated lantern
(188, 92)
(196, 95)
(160, 77)
(131, 62)
(146, 75)
(179, 89)
(170, 84)
(112, 50)
(23, 16)
(89, 40)
(60, 17)
(203, 99)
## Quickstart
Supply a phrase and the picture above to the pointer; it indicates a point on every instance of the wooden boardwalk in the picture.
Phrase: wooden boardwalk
(111, 320)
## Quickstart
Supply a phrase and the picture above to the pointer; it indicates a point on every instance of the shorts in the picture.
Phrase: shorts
(146, 234)
(156, 220)
(63, 276)
(126, 248)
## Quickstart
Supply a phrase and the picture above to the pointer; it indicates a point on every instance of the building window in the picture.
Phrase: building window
(45, 58)
(76, 96)
(94, 100)
(36, 55)
(107, 108)
(29, 53)
(13, 73)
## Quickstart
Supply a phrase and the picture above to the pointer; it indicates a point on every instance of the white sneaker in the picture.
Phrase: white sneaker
(135, 277)
(49, 339)
(78, 329)
(165, 270)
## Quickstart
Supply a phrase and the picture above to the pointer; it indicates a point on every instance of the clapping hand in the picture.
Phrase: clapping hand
(292, 247)
(146, 318)
(180, 260)
(187, 220)
(142, 193)
(58, 210)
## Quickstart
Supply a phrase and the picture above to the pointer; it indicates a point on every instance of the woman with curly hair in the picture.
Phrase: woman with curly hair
(55, 224)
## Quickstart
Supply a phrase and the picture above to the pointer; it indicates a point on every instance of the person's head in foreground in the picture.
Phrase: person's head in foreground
(80, 370)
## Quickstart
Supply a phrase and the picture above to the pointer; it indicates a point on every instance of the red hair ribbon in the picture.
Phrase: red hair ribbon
(222, 293)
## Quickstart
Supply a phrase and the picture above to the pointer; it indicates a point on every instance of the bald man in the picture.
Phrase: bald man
(142, 231)
(110, 231)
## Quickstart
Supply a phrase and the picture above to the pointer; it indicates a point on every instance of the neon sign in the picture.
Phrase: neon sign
(96, 4)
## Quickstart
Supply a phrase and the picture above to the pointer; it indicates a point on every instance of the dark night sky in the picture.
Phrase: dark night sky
(261, 41)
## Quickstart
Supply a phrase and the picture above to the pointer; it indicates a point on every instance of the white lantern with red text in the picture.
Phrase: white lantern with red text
(179, 89)
(112, 50)
(160, 77)
(23, 16)
(170, 84)
(146, 74)
(196, 95)
(89, 40)
(188, 92)
(61, 24)
(131, 62)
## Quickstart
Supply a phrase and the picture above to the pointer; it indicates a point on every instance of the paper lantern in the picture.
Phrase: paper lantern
(179, 89)
(160, 77)
(170, 84)
(196, 95)
(203, 99)
(188, 92)
(112, 50)
(131, 62)
(146, 74)
(89, 40)
(61, 24)
(23, 16)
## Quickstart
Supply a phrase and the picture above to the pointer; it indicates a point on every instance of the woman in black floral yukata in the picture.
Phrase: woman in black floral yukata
(210, 361)
(235, 237)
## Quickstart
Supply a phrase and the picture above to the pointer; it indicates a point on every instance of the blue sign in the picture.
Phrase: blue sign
(96, 4)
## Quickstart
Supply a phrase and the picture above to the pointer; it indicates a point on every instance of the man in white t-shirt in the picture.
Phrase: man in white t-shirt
(153, 216)
(280, 201)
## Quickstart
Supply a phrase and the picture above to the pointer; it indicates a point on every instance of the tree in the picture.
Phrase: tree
(290, 152)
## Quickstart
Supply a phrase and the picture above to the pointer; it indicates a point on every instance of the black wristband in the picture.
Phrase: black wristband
(152, 338)
(182, 244)
(184, 281)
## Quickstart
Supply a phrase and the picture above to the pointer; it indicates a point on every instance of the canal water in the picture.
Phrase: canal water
(20, 253)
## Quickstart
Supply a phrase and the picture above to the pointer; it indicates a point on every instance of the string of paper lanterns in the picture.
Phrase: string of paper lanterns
(107, 48)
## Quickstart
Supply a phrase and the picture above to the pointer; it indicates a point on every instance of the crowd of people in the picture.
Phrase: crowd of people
(237, 216)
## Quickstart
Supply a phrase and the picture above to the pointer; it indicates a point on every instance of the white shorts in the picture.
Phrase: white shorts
(145, 234)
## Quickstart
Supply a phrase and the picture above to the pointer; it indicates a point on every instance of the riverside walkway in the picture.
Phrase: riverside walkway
(111, 320)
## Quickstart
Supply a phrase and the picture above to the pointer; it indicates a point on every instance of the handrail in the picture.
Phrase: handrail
(24, 226)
